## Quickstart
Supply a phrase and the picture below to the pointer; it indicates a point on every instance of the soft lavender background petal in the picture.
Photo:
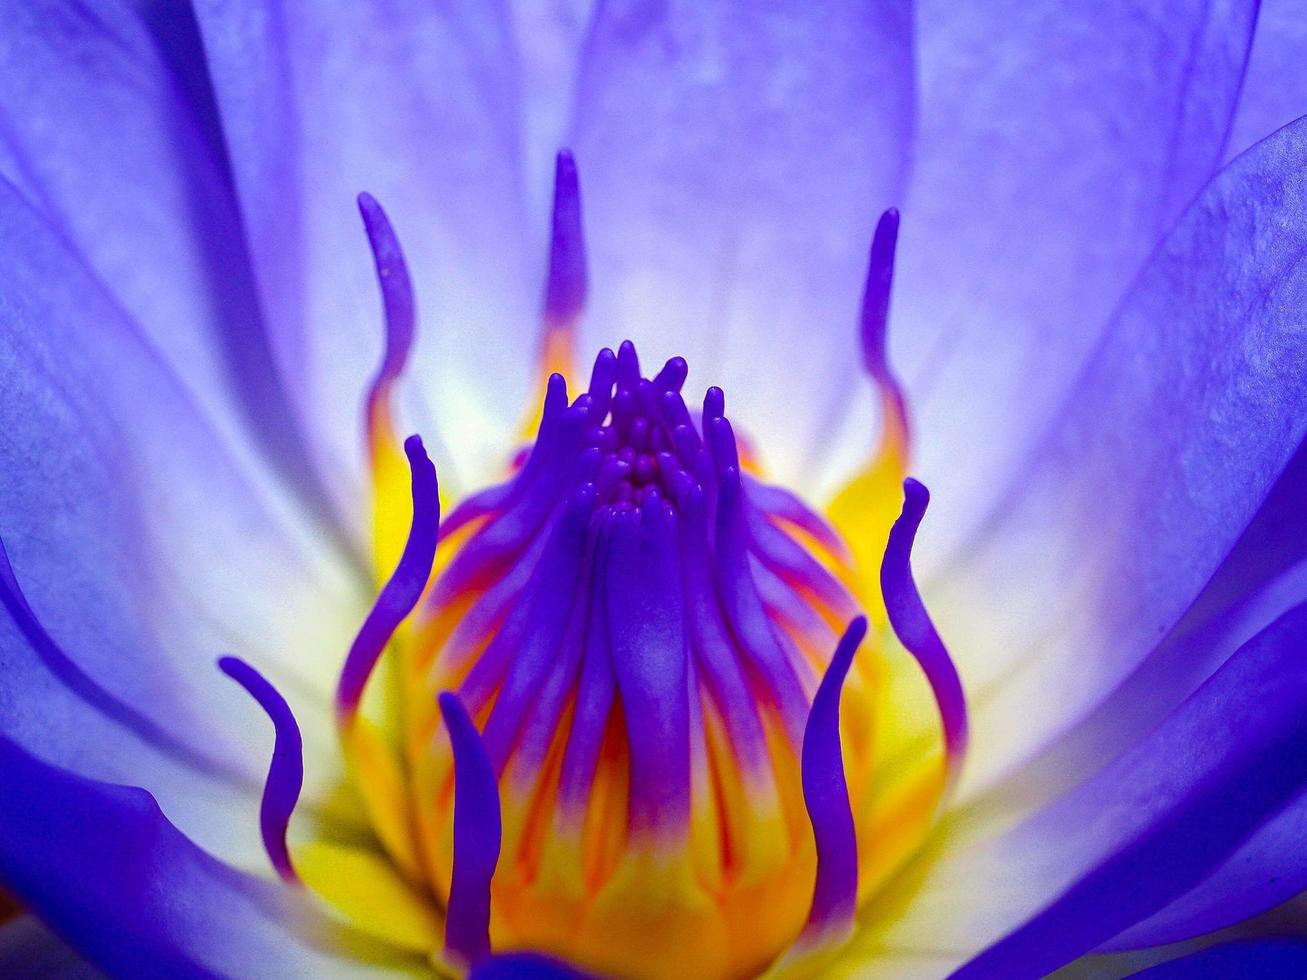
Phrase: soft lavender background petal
(98, 135)
(104, 867)
(1055, 145)
(1186, 414)
(734, 158)
(419, 105)
(1243, 731)
(1263, 577)
(146, 552)
(1275, 89)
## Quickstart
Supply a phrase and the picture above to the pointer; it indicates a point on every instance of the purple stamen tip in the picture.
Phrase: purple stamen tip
(397, 300)
(714, 403)
(477, 832)
(401, 593)
(565, 287)
(875, 296)
(912, 624)
(826, 796)
(286, 770)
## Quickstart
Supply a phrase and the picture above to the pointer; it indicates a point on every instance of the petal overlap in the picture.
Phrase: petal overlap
(1055, 147)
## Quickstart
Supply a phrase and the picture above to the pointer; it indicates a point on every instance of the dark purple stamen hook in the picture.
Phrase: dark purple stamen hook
(286, 770)
(912, 624)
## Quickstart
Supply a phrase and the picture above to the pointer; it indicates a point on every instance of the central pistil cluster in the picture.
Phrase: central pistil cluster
(639, 639)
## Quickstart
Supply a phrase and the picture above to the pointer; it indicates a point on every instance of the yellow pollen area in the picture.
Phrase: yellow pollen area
(726, 897)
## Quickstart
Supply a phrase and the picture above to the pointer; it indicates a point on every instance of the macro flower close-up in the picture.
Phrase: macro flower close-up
(653, 489)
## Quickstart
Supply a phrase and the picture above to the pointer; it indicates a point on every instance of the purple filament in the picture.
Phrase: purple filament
(875, 309)
(396, 296)
(566, 283)
(281, 791)
(477, 831)
(402, 592)
(912, 624)
(826, 796)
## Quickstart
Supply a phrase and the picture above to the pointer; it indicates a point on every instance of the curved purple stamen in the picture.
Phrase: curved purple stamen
(477, 831)
(286, 770)
(875, 310)
(912, 625)
(402, 592)
(875, 294)
(396, 296)
(565, 286)
(826, 796)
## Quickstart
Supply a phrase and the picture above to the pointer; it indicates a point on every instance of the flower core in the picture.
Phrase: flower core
(639, 708)
(639, 642)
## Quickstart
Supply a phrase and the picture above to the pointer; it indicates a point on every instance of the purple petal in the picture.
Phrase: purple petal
(1265, 958)
(100, 138)
(1055, 147)
(103, 866)
(1144, 831)
(477, 829)
(1152, 469)
(1274, 90)
(143, 550)
(1264, 871)
(1270, 867)
(735, 159)
(416, 104)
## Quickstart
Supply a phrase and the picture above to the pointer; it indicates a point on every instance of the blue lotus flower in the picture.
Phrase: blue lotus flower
(613, 670)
